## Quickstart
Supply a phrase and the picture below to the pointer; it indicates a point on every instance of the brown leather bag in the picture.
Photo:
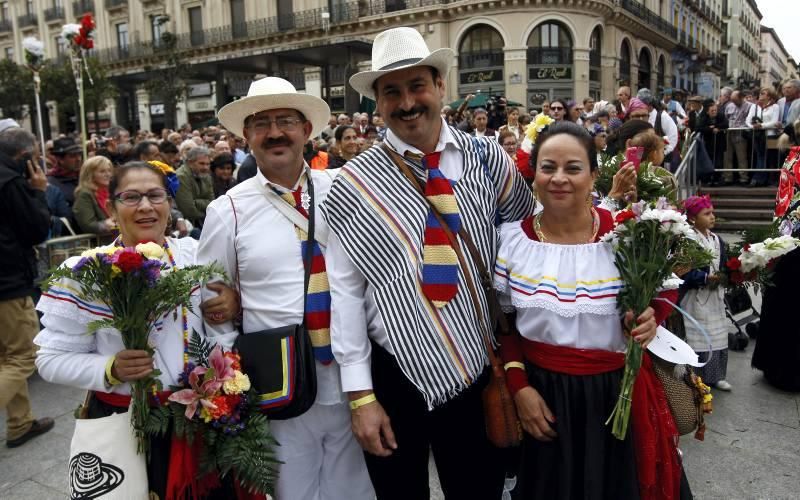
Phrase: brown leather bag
(502, 423)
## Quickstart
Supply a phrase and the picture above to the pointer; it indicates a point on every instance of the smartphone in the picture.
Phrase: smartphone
(634, 154)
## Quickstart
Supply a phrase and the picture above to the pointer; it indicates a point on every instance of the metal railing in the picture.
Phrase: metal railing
(5, 26)
(649, 17)
(550, 55)
(481, 59)
(686, 173)
(27, 20)
(81, 7)
(114, 4)
(54, 13)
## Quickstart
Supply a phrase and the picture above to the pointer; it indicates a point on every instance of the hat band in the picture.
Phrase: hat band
(398, 64)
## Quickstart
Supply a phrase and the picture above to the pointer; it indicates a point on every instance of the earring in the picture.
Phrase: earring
(589, 200)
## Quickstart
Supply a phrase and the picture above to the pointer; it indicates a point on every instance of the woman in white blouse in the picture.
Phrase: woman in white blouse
(565, 359)
(764, 119)
(140, 204)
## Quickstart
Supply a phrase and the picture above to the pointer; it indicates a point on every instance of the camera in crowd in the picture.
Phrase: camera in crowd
(496, 111)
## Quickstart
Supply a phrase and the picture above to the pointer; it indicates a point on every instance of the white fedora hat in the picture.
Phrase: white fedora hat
(400, 48)
(274, 93)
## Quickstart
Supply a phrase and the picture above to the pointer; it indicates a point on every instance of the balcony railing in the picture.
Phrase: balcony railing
(54, 13)
(5, 26)
(649, 17)
(480, 59)
(550, 55)
(27, 20)
(81, 7)
(116, 4)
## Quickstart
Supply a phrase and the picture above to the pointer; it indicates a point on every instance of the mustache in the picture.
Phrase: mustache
(400, 113)
(269, 143)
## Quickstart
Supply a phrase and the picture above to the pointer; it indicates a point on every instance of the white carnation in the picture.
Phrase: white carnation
(70, 30)
(34, 46)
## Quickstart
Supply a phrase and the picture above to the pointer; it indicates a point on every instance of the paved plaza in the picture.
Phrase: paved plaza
(751, 450)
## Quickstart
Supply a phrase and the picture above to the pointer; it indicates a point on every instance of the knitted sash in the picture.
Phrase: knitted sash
(318, 301)
(440, 262)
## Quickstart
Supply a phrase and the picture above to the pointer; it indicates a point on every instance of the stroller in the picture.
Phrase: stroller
(739, 304)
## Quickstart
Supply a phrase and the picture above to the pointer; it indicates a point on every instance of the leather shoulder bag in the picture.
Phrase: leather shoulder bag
(502, 423)
(280, 361)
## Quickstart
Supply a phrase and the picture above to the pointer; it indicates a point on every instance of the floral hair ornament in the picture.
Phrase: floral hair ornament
(693, 205)
(169, 173)
(538, 126)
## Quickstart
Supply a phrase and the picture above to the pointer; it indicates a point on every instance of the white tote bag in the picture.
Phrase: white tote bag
(103, 462)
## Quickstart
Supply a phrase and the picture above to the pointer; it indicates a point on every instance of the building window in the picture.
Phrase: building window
(625, 64)
(10, 53)
(4, 15)
(157, 27)
(58, 4)
(61, 46)
(29, 9)
(122, 36)
(238, 22)
(482, 47)
(285, 15)
(196, 26)
(549, 44)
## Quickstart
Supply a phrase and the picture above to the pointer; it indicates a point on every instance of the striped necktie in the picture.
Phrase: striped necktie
(440, 262)
(318, 301)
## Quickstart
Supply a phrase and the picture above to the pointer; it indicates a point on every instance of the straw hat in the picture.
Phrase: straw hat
(400, 48)
(274, 93)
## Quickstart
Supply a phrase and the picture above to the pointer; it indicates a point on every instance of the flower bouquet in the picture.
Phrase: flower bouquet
(217, 406)
(754, 263)
(652, 182)
(647, 240)
(140, 289)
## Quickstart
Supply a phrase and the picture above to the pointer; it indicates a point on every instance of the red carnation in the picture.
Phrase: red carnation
(78, 40)
(734, 264)
(87, 22)
(128, 260)
(736, 277)
(623, 216)
(88, 44)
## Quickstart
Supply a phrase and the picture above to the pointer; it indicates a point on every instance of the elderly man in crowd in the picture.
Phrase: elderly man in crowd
(736, 112)
(67, 168)
(196, 190)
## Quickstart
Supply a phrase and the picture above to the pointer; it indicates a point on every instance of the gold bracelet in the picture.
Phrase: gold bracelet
(109, 377)
(358, 403)
(513, 364)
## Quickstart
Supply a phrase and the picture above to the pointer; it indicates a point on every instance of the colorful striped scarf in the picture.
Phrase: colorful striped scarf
(318, 300)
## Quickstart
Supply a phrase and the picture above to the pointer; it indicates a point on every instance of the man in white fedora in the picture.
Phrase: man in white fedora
(405, 329)
(255, 234)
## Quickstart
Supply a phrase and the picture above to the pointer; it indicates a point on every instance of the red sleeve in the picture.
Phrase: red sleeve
(663, 309)
(523, 165)
(511, 350)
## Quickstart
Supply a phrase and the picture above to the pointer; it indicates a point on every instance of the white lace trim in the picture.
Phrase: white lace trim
(67, 310)
(566, 310)
(70, 343)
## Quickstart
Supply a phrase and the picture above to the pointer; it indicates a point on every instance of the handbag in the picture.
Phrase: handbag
(683, 396)
(280, 361)
(500, 413)
(103, 461)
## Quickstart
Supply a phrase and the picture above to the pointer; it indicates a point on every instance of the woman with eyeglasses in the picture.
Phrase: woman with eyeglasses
(69, 354)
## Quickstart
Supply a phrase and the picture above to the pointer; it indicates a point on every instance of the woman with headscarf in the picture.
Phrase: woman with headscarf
(637, 110)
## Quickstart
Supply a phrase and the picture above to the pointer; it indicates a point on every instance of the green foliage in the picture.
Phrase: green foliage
(199, 348)
(16, 88)
(691, 255)
(652, 182)
(173, 72)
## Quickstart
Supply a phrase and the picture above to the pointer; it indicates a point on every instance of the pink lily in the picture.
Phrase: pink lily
(223, 366)
(200, 393)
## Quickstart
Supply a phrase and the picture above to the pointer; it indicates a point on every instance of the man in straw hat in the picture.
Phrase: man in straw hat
(254, 233)
(406, 331)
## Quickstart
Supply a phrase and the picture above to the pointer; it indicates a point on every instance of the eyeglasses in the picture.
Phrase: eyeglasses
(556, 108)
(285, 124)
(133, 198)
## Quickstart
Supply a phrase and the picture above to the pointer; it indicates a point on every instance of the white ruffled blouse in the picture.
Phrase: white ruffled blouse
(70, 356)
(564, 295)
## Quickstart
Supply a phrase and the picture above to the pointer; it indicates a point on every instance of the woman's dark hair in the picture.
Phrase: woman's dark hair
(221, 160)
(617, 140)
(123, 170)
(571, 129)
(340, 130)
(168, 148)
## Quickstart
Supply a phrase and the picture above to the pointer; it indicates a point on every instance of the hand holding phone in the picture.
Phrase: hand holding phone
(634, 155)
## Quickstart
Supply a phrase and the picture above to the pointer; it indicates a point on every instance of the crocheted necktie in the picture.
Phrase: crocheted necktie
(318, 301)
(440, 263)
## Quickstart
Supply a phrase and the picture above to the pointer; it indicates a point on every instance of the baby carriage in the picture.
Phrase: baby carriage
(738, 304)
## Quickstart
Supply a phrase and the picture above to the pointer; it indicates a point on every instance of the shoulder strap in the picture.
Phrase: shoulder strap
(236, 279)
(290, 213)
(486, 280)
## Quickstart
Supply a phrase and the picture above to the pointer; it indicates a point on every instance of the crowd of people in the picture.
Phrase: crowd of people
(400, 353)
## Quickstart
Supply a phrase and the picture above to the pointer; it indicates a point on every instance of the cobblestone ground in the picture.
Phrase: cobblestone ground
(751, 450)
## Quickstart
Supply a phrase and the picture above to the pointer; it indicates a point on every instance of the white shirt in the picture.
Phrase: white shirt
(669, 128)
(770, 118)
(270, 261)
(479, 133)
(679, 111)
(354, 314)
(70, 356)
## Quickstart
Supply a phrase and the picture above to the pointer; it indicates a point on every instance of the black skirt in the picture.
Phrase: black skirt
(777, 351)
(585, 461)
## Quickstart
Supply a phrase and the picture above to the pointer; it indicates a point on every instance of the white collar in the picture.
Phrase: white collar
(262, 179)
(446, 138)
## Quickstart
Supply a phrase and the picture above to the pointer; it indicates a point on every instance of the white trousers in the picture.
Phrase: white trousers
(321, 458)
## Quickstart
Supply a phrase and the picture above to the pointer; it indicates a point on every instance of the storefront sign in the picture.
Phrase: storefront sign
(538, 98)
(156, 109)
(551, 73)
(199, 89)
(492, 75)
